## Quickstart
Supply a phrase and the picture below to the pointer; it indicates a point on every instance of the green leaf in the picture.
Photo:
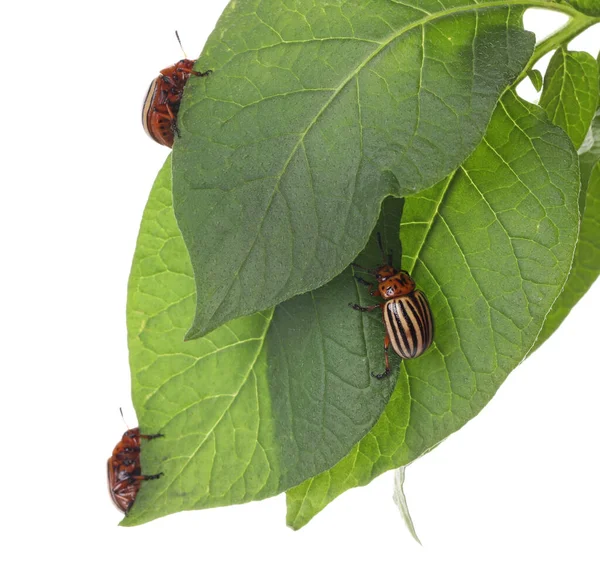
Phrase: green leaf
(586, 263)
(313, 114)
(590, 7)
(536, 79)
(492, 247)
(261, 403)
(589, 153)
(570, 94)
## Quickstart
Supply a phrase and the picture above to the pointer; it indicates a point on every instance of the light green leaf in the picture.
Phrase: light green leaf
(492, 247)
(313, 114)
(259, 404)
(536, 79)
(173, 382)
(400, 501)
(589, 153)
(570, 94)
(591, 7)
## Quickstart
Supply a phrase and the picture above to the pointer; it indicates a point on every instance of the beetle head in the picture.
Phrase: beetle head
(385, 271)
(397, 285)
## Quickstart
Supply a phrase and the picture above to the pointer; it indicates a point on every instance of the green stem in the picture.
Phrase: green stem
(573, 27)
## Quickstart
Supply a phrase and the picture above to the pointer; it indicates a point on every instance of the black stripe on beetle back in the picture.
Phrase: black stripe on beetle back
(417, 320)
(425, 313)
(395, 322)
(409, 324)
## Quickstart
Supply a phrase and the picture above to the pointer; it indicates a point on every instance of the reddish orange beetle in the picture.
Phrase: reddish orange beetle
(159, 114)
(124, 469)
(406, 312)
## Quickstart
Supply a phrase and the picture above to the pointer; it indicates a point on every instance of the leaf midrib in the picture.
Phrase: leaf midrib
(225, 410)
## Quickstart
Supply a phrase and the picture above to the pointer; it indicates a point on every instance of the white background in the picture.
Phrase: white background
(512, 497)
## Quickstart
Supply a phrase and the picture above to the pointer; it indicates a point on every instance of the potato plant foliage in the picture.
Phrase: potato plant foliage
(323, 124)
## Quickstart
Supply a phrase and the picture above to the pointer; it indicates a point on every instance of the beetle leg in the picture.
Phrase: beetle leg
(150, 437)
(386, 346)
(144, 477)
(362, 281)
(161, 115)
(373, 293)
(196, 73)
(173, 122)
(363, 309)
(121, 486)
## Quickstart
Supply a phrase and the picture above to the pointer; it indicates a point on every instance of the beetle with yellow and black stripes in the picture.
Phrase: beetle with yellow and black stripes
(406, 312)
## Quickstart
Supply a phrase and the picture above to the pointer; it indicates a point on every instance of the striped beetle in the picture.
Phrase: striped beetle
(159, 113)
(406, 313)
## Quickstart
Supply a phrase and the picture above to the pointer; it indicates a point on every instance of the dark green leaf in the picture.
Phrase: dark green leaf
(586, 263)
(492, 247)
(260, 403)
(570, 94)
(313, 114)
(320, 355)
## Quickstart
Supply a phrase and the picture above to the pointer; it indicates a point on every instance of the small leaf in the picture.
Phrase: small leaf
(536, 79)
(400, 500)
(570, 94)
(261, 403)
(589, 7)
(313, 114)
(492, 247)
(589, 153)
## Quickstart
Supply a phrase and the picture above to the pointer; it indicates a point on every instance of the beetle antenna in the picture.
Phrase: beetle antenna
(121, 411)
(390, 256)
(379, 242)
(179, 40)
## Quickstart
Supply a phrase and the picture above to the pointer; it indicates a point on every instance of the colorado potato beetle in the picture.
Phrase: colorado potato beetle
(406, 312)
(159, 114)
(124, 469)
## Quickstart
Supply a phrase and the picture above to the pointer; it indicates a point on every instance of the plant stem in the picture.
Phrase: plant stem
(573, 27)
